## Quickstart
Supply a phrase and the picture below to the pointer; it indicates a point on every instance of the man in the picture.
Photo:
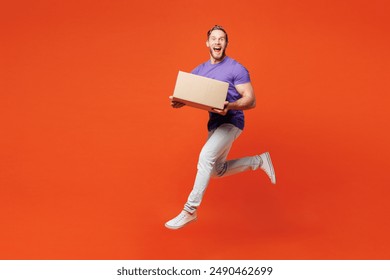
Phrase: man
(224, 126)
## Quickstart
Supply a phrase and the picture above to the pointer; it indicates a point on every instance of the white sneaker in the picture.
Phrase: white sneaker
(181, 220)
(267, 167)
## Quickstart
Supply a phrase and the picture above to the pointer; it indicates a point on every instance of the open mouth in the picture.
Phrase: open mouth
(217, 49)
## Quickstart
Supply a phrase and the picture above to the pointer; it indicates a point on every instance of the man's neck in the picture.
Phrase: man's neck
(216, 61)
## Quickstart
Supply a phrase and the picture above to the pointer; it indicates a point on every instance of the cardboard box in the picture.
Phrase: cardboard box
(200, 92)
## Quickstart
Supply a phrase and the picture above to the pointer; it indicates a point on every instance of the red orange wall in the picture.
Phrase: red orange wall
(93, 161)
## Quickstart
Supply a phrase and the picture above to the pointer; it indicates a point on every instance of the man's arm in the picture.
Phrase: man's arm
(246, 102)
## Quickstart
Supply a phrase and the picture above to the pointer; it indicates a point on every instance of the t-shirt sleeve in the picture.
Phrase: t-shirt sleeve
(195, 71)
(241, 75)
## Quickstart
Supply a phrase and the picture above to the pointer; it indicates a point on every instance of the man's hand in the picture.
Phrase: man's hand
(175, 104)
(224, 111)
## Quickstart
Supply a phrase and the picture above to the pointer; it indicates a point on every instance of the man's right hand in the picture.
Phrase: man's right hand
(175, 104)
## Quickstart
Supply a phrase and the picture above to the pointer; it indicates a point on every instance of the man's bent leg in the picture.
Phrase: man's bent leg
(240, 165)
(235, 166)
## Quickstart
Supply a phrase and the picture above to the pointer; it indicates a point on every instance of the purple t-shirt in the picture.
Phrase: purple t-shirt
(232, 72)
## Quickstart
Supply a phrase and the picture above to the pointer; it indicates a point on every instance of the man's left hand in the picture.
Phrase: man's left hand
(224, 111)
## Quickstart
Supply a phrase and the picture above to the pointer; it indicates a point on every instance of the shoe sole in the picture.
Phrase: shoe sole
(271, 167)
(178, 227)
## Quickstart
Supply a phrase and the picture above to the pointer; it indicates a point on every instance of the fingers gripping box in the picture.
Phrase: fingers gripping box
(200, 92)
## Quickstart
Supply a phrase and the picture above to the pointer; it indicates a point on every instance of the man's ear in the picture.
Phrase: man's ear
(207, 44)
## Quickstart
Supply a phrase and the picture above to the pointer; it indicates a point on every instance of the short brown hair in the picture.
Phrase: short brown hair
(217, 27)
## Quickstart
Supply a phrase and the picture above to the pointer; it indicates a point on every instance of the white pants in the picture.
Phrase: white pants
(212, 162)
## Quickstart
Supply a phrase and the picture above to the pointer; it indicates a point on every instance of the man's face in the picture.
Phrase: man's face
(217, 45)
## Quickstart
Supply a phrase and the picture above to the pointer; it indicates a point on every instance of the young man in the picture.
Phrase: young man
(224, 126)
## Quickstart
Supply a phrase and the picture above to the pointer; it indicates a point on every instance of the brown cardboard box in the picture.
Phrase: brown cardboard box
(200, 92)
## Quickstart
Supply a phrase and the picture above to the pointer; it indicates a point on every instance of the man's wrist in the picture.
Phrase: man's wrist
(231, 106)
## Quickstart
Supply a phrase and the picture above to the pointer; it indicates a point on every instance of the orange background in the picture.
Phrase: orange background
(93, 161)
